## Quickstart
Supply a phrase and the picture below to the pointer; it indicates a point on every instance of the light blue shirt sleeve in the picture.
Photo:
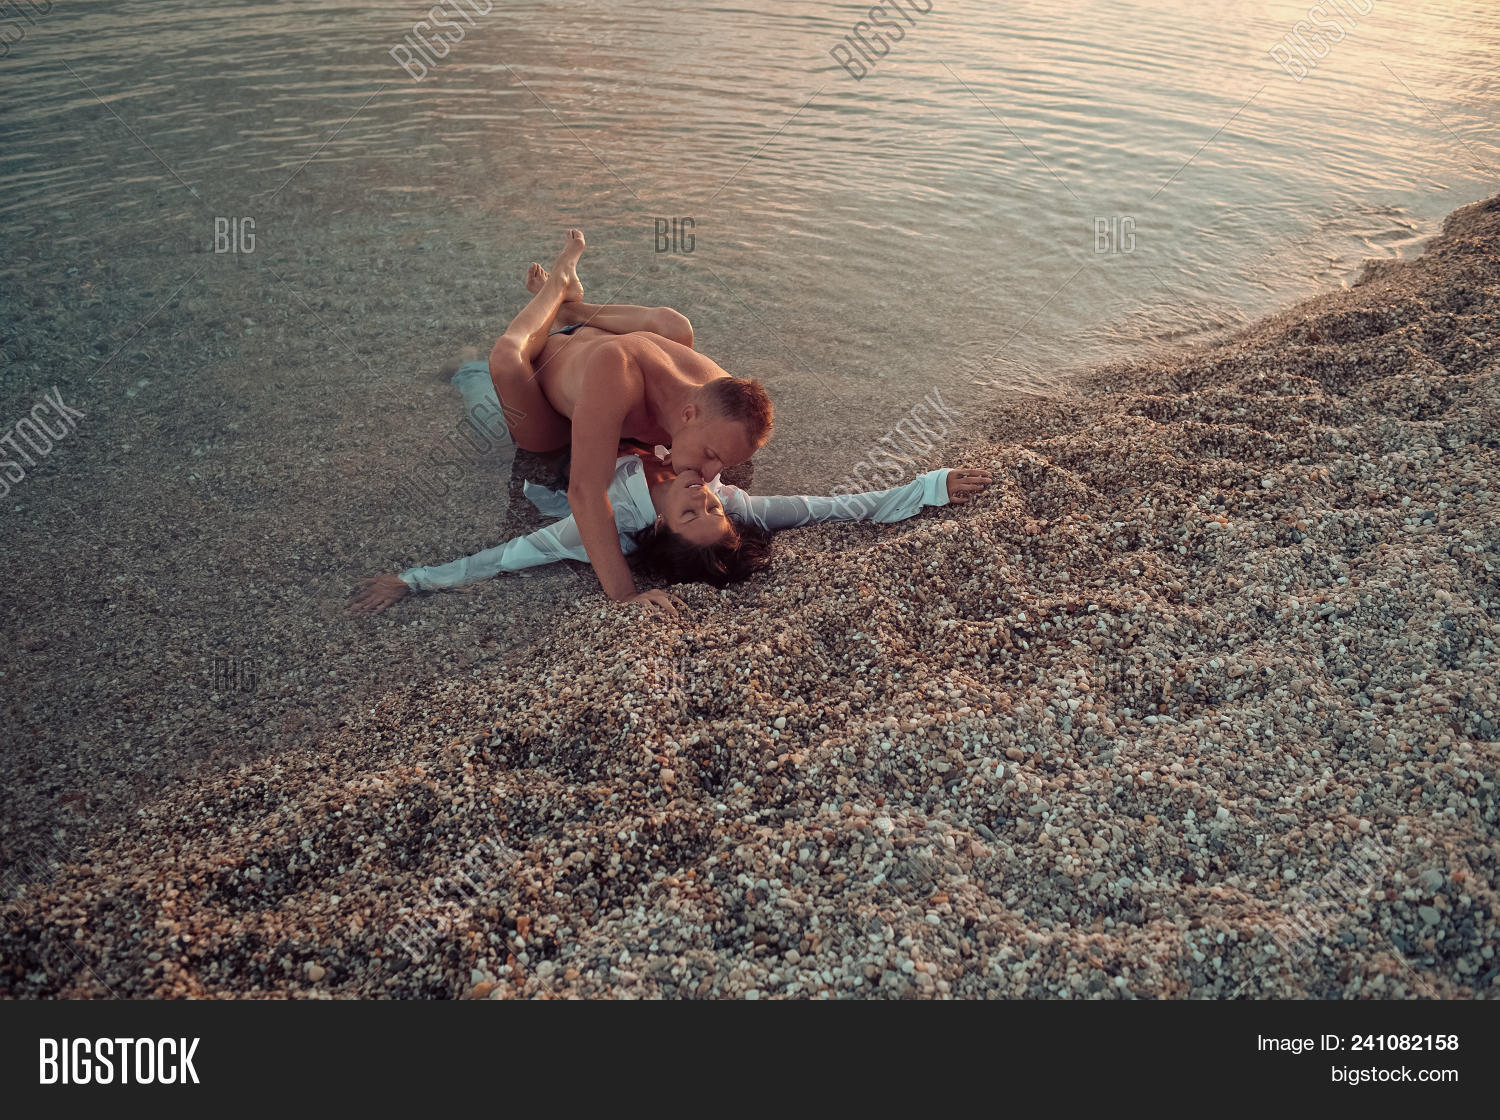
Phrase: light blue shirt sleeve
(558, 541)
(897, 504)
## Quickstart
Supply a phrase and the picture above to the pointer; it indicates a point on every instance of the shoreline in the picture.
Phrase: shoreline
(1218, 645)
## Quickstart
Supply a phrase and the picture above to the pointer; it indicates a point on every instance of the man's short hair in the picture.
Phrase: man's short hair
(744, 400)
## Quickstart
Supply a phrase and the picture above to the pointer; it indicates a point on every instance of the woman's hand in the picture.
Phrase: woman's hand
(375, 594)
(657, 599)
(961, 484)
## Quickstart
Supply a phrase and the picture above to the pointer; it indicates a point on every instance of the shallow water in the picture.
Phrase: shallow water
(854, 242)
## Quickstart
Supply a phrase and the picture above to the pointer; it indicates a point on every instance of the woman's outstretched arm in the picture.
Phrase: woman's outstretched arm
(558, 541)
(935, 488)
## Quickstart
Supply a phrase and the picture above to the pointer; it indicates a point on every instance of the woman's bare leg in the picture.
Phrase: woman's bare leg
(626, 318)
(528, 330)
(534, 423)
(617, 318)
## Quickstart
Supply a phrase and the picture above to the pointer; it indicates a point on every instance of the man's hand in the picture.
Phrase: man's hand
(657, 599)
(377, 593)
(963, 483)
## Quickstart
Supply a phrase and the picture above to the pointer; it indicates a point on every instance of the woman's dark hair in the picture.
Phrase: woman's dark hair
(744, 552)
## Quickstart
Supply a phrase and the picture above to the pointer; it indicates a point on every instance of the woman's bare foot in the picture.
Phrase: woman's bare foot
(536, 276)
(565, 268)
(572, 249)
(451, 366)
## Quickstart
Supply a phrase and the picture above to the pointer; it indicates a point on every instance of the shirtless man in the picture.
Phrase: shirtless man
(591, 388)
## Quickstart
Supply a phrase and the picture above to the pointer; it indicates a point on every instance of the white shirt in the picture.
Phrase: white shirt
(630, 497)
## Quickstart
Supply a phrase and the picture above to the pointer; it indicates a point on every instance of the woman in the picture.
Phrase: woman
(687, 529)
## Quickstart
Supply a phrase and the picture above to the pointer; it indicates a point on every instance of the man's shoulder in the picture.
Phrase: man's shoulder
(608, 386)
(660, 359)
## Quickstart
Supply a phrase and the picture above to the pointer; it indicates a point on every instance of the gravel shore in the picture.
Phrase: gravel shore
(1199, 701)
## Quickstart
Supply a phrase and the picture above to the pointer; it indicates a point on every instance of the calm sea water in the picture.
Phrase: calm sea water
(1007, 193)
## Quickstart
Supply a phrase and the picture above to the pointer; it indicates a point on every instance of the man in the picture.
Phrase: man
(588, 387)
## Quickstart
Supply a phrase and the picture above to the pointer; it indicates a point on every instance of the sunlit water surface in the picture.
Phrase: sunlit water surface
(1011, 192)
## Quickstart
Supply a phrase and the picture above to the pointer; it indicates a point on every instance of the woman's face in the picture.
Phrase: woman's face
(693, 512)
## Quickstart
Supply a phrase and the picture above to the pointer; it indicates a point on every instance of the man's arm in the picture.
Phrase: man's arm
(597, 420)
(558, 541)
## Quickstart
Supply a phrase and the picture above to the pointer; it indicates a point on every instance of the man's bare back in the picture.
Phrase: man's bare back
(666, 372)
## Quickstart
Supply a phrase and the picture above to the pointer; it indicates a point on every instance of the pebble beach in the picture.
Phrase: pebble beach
(1199, 700)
